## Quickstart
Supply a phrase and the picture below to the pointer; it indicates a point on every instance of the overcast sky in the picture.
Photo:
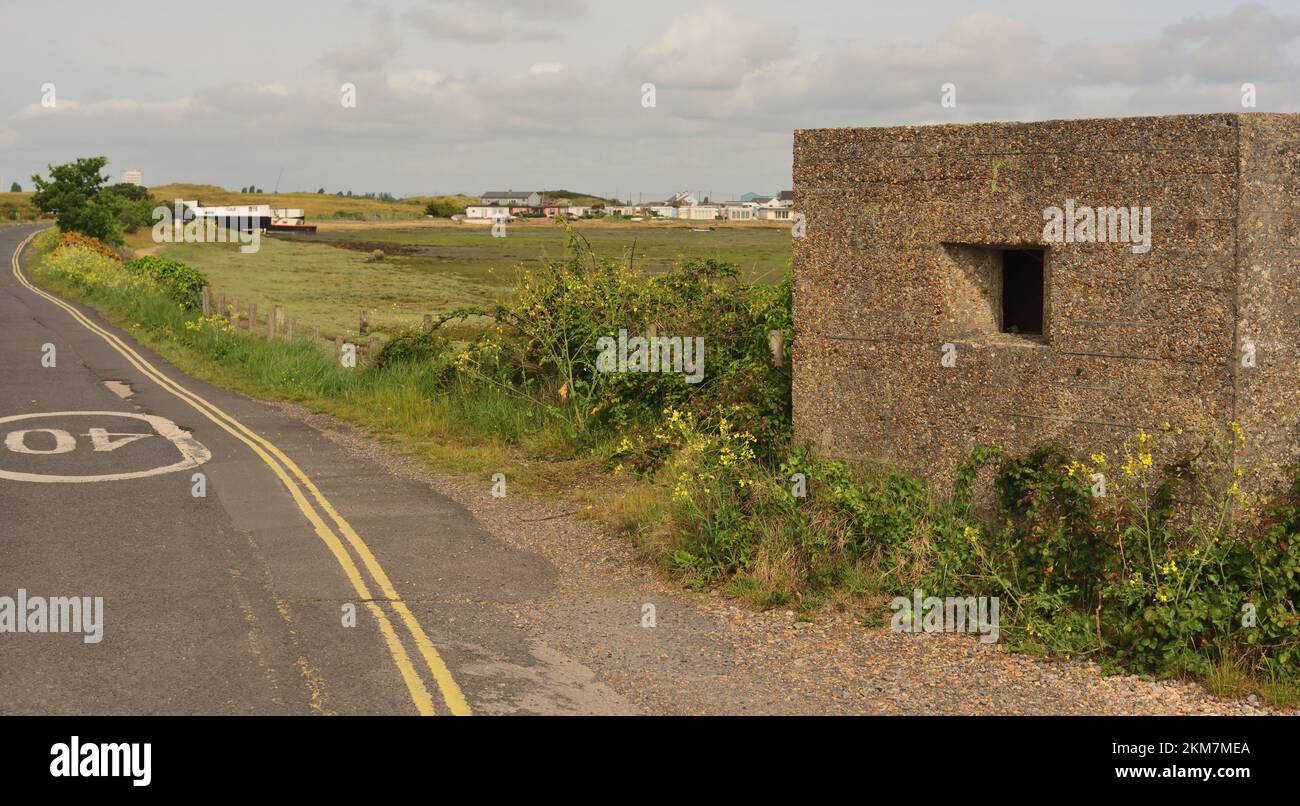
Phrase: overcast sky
(525, 94)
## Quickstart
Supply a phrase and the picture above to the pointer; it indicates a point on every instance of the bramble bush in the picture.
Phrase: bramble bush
(181, 282)
(543, 344)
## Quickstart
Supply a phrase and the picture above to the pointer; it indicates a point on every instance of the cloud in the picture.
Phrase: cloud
(418, 81)
(529, 9)
(708, 48)
(376, 49)
(1246, 44)
(498, 22)
(731, 89)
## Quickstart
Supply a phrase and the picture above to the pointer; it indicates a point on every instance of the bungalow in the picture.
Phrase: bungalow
(662, 210)
(701, 212)
(486, 212)
(778, 208)
(738, 210)
(772, 214)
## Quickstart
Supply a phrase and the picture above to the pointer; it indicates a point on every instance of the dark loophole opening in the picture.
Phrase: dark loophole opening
(1022, 291)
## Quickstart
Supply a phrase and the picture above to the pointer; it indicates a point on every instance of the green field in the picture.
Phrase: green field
(327, 278)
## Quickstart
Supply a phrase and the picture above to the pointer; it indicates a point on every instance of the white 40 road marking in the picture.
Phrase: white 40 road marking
(192, 452)
(100, 438)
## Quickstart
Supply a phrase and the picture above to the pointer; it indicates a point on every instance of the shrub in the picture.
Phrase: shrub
(414, 346)
(77, 240)
(547, 343)
(181, 282)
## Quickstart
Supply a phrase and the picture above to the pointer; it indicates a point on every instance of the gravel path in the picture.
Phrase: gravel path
(709, 655)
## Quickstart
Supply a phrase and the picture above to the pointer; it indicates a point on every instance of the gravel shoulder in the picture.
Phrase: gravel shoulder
(707, 654)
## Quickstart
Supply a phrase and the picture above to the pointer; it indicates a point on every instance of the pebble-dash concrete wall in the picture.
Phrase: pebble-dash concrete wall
(900, 258)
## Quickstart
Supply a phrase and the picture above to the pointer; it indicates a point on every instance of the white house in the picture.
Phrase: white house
(738, 211)
(777, 208)
(486, 212)
(662, 209)
(701, 212)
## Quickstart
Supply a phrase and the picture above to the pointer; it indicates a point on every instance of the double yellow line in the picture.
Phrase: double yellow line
(300, 486)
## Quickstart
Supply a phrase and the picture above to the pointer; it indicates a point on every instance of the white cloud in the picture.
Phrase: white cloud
(420, 81)
(477, 26)
(731, 88)
(376, 49)
(708, 48)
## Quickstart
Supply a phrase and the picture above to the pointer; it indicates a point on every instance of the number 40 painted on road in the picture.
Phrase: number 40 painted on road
(101, 440)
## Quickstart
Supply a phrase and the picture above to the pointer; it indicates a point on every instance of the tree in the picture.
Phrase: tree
(132, 205)
(72, 194)
(130, 192)
(15, 188)
(320, 192)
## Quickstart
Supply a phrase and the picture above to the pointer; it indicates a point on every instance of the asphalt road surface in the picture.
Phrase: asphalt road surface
(236, 600)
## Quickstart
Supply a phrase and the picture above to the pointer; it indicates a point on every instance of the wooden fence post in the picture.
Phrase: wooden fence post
(315, 336)
(428, 323)
(288, 328)
(373, 347)
(365, 322)
(252, 317)
(205, 297)
(338, 350)
(270, 325)
(221, 304)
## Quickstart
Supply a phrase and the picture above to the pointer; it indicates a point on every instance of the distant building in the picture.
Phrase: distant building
(508, 198)
(242, 216)
(132, 178)
(701, 212)
(487, 211)
(738, 210)
(777, 208)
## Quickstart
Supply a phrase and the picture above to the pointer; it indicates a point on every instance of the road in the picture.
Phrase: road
(235, 600)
